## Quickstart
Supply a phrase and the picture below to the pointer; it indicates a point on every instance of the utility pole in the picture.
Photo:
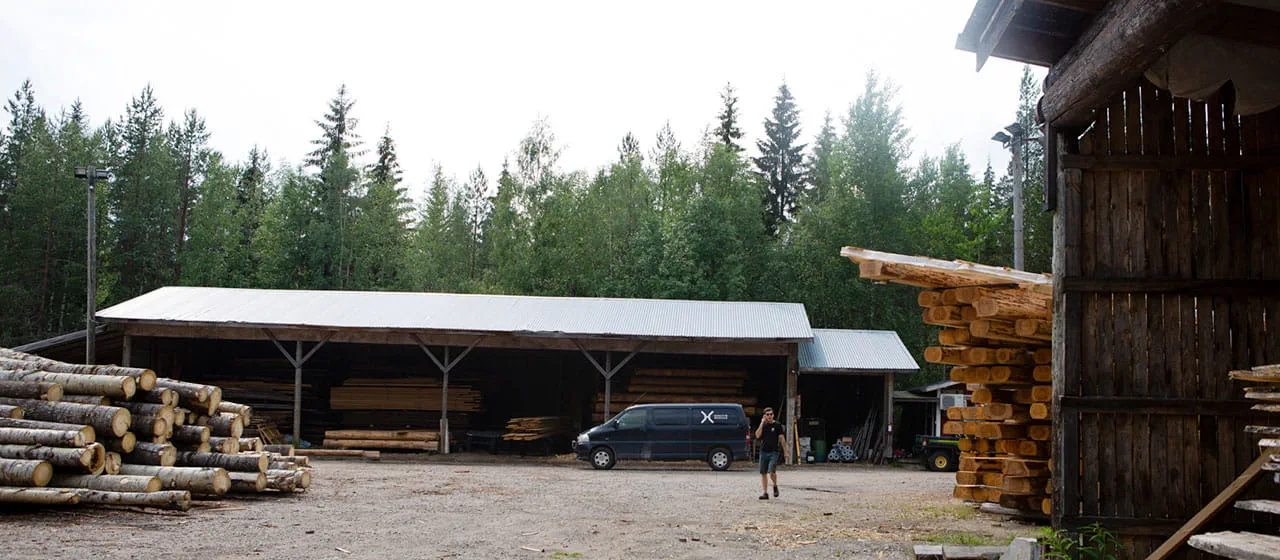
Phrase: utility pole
(1013, 137)
(91, 258)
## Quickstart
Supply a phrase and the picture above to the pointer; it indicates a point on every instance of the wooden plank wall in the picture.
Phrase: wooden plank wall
(1161, 191)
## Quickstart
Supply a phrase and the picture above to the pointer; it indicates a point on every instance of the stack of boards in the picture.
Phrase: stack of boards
(996, 337)
(102, 434)
(1264, 387)
(679, 386)
(363, 393)
(535, 428)
(399, 440)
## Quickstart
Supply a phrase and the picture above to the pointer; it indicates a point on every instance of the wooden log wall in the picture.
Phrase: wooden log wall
(1167, 262)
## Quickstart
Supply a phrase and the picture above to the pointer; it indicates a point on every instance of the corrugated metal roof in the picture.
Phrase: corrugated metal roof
(851, 350)
(523, 315)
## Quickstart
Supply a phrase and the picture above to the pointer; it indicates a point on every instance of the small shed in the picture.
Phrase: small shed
(846, 381)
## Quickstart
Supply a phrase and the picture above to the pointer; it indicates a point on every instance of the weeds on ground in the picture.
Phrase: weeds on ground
(953, 511)
(1092, 542)
(562, 555)
(963, 539)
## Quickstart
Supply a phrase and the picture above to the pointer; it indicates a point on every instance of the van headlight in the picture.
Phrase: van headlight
(583, 439)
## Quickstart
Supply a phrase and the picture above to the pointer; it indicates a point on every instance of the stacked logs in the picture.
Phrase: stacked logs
(412, 440)
(536, 427)
(72, 433)
(997, 342)
(1265, 389)
(996, 336)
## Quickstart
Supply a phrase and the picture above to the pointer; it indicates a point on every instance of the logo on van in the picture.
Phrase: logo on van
(710, 416)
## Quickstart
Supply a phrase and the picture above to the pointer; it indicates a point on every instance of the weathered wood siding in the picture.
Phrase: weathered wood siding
(1168, 276)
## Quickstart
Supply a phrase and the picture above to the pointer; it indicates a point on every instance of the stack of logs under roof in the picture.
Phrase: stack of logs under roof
(103, 434)
(997, 337)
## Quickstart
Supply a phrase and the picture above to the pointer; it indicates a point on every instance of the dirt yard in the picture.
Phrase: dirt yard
(471, 507)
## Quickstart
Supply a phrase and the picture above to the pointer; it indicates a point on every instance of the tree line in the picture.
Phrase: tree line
(718, 220)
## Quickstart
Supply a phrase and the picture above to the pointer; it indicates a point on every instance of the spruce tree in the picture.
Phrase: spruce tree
(727, 131)
(335, 196)
(476, 193)
(188, 143)
(381, 230)
(339, 131)
(820, 171)
(781, 161)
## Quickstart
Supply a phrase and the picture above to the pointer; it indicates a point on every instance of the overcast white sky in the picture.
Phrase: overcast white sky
(461, 82)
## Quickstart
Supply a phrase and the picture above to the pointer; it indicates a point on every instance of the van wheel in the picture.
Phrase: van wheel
(720, 459)
(602, 458)
(940, 460)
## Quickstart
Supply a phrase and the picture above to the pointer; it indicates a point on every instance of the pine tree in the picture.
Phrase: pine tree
(727, 131)
(781, 161)
(142, 203)
(476, 193)
(190, 153)
(339, 129)
(381, 229)
(821, 162)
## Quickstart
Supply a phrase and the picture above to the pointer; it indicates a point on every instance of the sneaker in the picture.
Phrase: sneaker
(764, 496)
(775, 491)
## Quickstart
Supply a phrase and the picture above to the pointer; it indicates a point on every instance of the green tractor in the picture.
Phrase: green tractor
(941, 453)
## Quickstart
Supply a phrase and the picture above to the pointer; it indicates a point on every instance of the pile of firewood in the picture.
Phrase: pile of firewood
(410, 440)
(535, 428)
(104, 434)
(996, 336)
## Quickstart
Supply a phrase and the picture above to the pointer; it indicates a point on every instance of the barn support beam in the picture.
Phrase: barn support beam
(126, 352)
(1121, 43)
(793, 401)
(297, 360)
(445, 366)
(607, 371)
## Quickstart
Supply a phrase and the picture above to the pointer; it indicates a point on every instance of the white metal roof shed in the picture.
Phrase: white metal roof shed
(525, 316)
(855, 351)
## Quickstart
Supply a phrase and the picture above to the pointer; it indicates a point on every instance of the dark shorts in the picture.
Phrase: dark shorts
(768, 462)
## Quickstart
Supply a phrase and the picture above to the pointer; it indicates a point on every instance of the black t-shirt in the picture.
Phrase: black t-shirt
(769, 437)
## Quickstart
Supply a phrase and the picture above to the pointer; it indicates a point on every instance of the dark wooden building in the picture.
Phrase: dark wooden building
(1163, 155)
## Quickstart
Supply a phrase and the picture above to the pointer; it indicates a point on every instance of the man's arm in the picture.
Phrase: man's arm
(760, 429)
(782, 445)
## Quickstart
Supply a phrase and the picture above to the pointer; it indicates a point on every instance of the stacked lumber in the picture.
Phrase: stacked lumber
(402, 394)
(536, 427)
(996, 338)
(409, 440)
(679, 386)
(1264, 387)
(112, 435)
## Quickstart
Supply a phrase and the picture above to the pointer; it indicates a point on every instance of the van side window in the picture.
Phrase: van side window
(632, 419)
(670, 417)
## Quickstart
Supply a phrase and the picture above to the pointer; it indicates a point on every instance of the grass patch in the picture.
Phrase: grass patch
(965, 539)
(952, 511)
(562, 555)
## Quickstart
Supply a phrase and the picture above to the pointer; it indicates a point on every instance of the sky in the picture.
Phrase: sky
(459, 83)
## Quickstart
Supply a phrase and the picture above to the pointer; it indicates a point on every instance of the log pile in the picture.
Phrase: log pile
(404, 440)
(679, 386)
(996, 338)
(536, 427)
(112, 435)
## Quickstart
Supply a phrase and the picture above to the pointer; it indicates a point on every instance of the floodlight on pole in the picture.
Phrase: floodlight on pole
(93, 174)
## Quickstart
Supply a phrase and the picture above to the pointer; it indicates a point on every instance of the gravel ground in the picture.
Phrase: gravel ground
(469, 506)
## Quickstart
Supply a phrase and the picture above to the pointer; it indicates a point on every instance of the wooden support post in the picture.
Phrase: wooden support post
(608, 370)
(1067, 320)
(445, 366)
(297, 360)
(126, 354)
(792, 404)
(888, 416)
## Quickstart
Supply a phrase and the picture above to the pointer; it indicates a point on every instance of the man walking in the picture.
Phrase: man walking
(773, 444)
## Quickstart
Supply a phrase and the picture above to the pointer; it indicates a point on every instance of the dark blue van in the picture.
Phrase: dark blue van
(715, 433)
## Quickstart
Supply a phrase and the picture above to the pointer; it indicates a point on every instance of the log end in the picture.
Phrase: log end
(221, 482)
(42, 474)
(146, 380)
(54, 393)
(120, 422)
(128, 387)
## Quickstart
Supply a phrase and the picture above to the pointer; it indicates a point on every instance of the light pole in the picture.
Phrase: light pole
(1013, 140)
(91, 284)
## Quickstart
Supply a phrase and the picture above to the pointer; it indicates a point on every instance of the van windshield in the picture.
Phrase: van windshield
(631, 418)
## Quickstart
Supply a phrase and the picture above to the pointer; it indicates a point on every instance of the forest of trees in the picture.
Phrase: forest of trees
(716, 221)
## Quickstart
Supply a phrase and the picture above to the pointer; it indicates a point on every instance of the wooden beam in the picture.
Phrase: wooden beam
(508, 341)
(1226, 286)
(1213, 508)
(1121, 43)
(1156, 405)
(995, 29)
(1244, 24)
(1132, 162)
(1085, 6)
